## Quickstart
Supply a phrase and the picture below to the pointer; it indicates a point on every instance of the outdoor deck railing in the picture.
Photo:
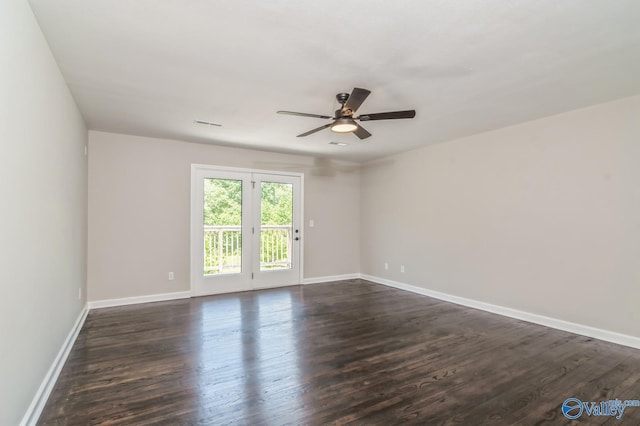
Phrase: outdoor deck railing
(223, 248)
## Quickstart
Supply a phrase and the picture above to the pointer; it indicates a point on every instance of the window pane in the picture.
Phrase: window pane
(222, 226)
(276, 225)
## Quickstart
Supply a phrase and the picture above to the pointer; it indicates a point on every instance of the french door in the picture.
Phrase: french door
(245, 229)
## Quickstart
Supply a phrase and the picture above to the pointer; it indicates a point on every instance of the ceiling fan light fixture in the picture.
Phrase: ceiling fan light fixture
(344, 125)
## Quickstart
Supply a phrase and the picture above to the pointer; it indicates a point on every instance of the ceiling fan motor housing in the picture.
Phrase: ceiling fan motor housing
(343, 112)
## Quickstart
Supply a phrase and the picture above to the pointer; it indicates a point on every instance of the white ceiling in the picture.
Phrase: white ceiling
(152, 67)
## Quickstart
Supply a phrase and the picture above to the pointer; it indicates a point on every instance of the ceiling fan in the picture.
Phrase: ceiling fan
(344, 120)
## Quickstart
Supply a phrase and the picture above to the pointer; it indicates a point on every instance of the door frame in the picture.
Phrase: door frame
(194, 230)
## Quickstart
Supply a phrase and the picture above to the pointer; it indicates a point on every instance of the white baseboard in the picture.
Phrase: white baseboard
(330, 278)
(108, 303)
(584, 330)
(42, 395)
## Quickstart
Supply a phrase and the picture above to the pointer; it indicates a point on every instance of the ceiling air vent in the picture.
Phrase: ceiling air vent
(207, 123)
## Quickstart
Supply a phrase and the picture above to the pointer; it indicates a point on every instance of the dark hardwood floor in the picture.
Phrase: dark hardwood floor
(337, 353)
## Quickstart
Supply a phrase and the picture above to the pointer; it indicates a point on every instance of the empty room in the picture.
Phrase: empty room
(274, 213)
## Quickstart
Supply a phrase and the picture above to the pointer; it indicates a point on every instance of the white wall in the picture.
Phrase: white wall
(43, 215)
(542, 217)
(139, 204)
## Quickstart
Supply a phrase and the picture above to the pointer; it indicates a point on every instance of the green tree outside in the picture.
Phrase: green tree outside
(223, 203)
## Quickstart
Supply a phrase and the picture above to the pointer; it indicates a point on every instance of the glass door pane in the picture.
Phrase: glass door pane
(222, 226)
(276, 225)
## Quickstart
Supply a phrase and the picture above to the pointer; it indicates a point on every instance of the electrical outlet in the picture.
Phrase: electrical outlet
(402, 268)
(171, 276)
(311, 223)
(79, 293)
(386, 266)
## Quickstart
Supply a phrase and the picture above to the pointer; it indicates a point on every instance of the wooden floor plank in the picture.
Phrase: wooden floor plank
(349, 352)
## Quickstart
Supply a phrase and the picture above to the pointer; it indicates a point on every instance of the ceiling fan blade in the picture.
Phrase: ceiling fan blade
(388, 115)
(317, 129)
(361, 132)
(303, 114)
(356, 98)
